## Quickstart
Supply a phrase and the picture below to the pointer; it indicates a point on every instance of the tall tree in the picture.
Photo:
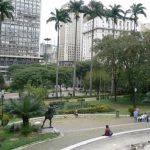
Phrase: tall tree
(59, 16)
(2, 82)
(133, 58)
(124, 17)
(107, 54)
(6, 11)
(75, 7)
(91, 11)
(137, 9)
(114, 13)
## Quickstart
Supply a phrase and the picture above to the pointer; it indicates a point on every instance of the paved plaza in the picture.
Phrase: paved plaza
(75, 130)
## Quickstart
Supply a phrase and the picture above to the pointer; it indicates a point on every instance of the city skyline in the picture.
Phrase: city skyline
(48, 30)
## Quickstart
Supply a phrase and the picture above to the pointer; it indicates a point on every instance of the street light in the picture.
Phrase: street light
(46, 39)
(2, 97)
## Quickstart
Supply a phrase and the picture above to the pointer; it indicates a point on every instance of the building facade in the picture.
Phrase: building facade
(144, 27)
(20, 37)
(102, 28)
(67, 40)
(49, 53)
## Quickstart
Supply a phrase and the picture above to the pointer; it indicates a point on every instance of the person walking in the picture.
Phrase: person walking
(135, 114)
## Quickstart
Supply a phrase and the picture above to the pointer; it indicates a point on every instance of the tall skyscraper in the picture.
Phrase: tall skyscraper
(67, 40)
(20, 37)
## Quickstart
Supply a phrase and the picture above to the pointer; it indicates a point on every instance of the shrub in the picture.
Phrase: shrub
(148, 94)
(95, 109)
(25, 130)
(131, 110)
(81, 100)
(146, 101)
(58, 104)
(97, 98)
(5, 119)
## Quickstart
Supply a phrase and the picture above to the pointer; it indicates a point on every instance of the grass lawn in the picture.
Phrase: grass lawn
(123, 104)
(9, 140)
(123, 108)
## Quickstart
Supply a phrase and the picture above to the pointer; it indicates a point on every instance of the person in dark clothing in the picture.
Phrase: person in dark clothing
(108, 132)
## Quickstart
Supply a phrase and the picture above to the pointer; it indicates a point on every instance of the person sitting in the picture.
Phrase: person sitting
(144, 117)
(76, 113)
(108, 132)
(148, 118)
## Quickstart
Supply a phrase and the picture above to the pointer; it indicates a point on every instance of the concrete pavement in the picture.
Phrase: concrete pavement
(77, 136)
(122, 141)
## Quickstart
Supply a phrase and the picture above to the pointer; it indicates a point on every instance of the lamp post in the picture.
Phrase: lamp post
(2, 97)
(46, 39)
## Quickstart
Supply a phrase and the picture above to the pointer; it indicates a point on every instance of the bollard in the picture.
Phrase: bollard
(117, 113)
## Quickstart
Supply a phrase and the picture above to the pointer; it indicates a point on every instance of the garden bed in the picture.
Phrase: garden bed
(13, 140)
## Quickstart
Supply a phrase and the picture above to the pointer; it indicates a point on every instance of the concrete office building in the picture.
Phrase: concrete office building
(144, 27)
(67, 40)
(20, 37)
(101, 28)
(49, 52)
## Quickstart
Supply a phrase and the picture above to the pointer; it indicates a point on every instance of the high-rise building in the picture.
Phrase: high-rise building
(20, 37)
(67, 40)
(48, 52)
(102, 27)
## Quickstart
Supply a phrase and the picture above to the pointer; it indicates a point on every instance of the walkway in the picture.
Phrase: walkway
(76, 130)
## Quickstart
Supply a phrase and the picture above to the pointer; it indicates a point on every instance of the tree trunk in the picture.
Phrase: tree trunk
(57, 67)
(115, 86)
(134, 26)
(113, 67)
(124, 25)
(0, 31)
(60, 91)
(91, 67)
(113, 29)
(132, 93)
(25, 120)
(75, 51)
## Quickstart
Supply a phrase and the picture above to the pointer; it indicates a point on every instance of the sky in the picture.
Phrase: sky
(48, 30)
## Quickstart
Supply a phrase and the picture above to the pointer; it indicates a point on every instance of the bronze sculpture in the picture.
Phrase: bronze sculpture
(49, 115)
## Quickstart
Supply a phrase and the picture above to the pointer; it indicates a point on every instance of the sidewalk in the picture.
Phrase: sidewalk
(76, 130)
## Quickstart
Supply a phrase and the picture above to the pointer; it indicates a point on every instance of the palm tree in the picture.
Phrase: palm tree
(75, 7)
(124, 17)
(6, 11)
(59, 16)
(25, 107)
(114, 13)
(93, 10)
(137, 9)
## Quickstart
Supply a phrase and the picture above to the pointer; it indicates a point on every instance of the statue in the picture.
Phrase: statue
(49, 115)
